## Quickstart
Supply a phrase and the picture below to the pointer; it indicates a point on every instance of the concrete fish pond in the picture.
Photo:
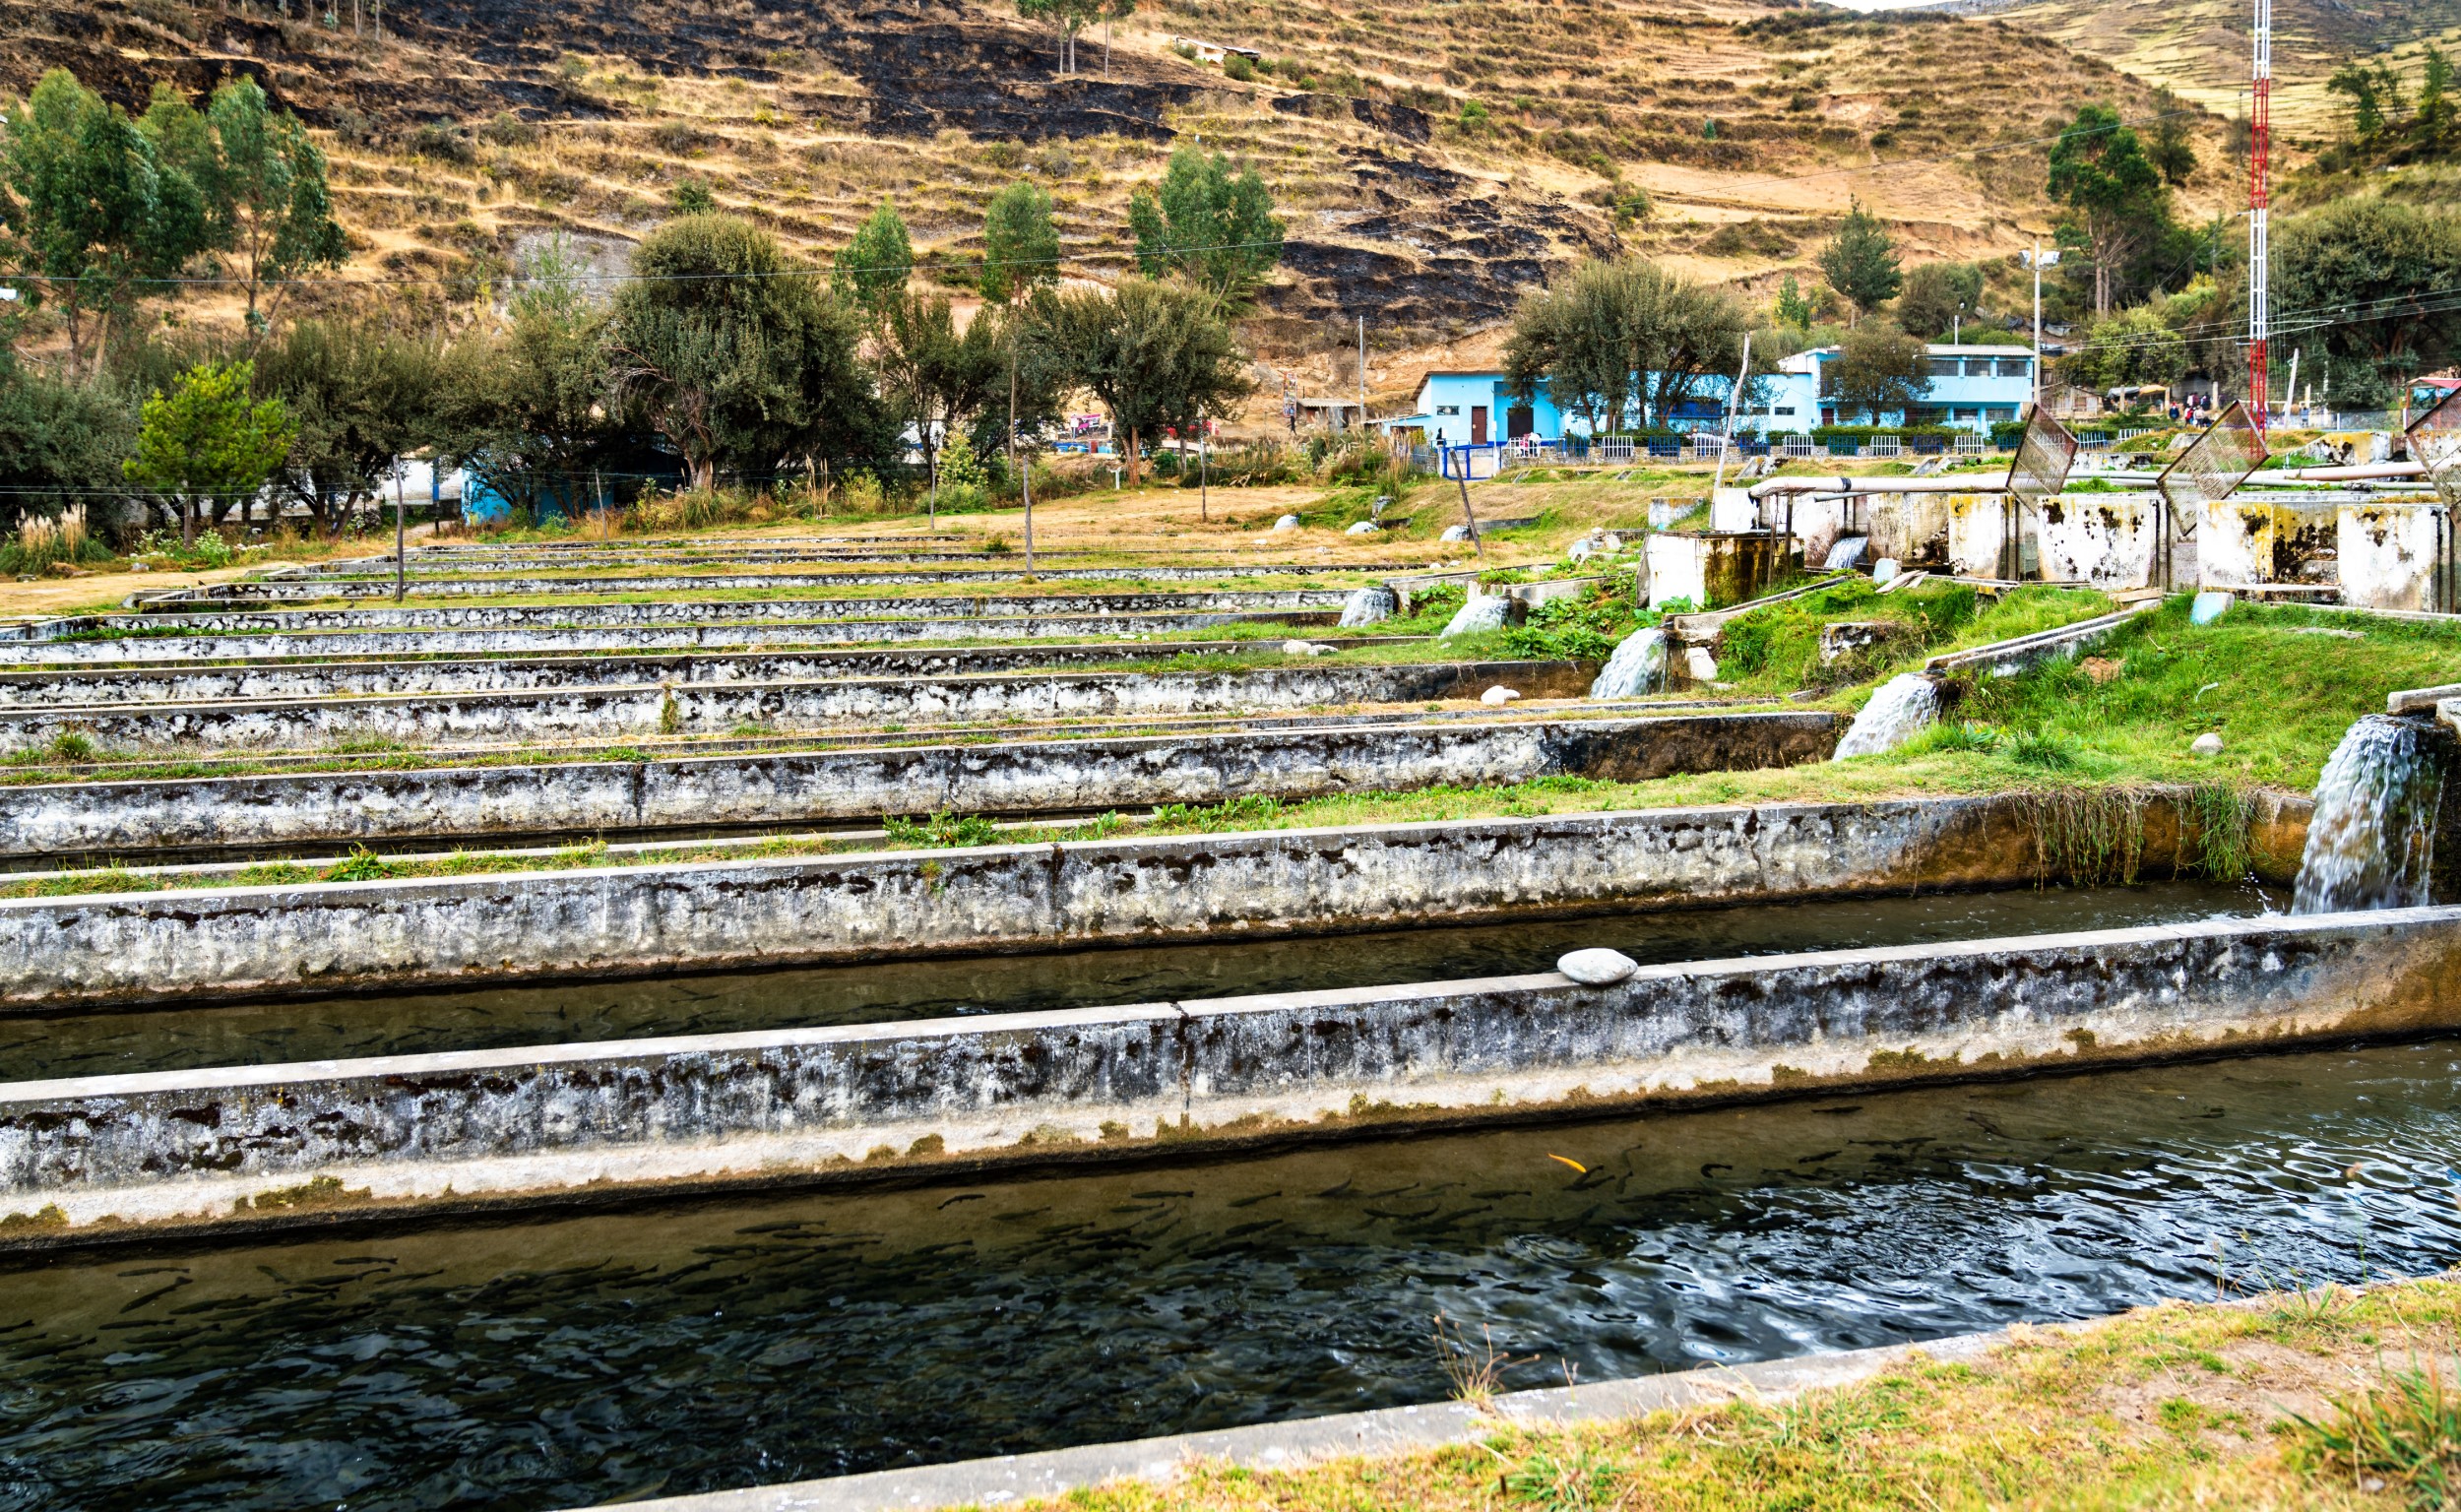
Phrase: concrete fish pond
(218, 1145)
(1012, 776)
(579, 1358)
(612, 711)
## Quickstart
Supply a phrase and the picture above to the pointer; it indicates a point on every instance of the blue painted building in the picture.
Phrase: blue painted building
(1972, 387)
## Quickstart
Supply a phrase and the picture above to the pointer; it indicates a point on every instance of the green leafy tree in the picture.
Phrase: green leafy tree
(1878, 369)
(691, 196)
(2433, 124)
(2129, 350)
(61, 442)
(271, 211)
(2374, 91)
(1937, 296)
(1860, 261)
(871, 269)
(90, 210)
(1613, 336)
(1070, 17)
(2169, 145)
(208, 440)
(523, 408)
(1159, 354)
(934, 376)
(1208, 226)
(1020, 245)
(1793, 309)
(2381, 266)
(2115, 198)
(361, 395)
(731, 351)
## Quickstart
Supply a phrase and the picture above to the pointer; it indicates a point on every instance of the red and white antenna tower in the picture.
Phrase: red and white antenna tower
(2259, 195)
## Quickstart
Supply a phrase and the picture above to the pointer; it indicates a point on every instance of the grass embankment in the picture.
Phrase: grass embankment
(2309, 1400)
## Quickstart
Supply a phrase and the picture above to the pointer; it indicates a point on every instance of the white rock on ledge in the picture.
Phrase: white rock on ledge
(1598, 967)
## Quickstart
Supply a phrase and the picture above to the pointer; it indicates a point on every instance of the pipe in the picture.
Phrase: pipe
(1978, 484)
(2341, 474)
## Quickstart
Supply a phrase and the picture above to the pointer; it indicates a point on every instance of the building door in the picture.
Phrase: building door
(1477, 424)
(1519, 421)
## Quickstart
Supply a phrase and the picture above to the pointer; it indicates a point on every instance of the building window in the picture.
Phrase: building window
(2000, 412)
(2015, 367)
(1782, 409)
(1449, 409)
(1977, 367)
(1943, 367)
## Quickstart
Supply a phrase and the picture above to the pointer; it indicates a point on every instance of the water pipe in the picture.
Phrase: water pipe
(2340, 474)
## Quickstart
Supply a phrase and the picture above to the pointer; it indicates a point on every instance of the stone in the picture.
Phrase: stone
(1885, 570)
(2206, 744)
(1699, 665)
(1482, 614)
(1580, 551)
(1370, 605)
(140, 564)
(1844, 639)
(1286, 522)
(1364, 527)
(1304, 648)
(1499, 694)
(1455, 533)
(2208, 607)
(1598, 967)
(1610, 543)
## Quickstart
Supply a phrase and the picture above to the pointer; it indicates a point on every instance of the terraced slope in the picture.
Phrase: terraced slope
(472, 129)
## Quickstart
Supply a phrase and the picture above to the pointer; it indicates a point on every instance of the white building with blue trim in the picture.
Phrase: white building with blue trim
(1972, 387)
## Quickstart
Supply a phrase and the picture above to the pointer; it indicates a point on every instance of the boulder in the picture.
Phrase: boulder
(2208, 607)
(1499, 694)
(2206, 744)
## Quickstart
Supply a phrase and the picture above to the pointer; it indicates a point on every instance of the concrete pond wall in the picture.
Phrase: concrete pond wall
(350, 680)
(613, 712)
(515, 576)
(196, 945)
(112, 1156)
(129, 818)
(207, 619)
(109, 648)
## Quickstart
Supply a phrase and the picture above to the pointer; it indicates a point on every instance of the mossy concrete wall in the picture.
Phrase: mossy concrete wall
(197, 1147)
(200, 944)
(128, 818)
(206, 619)
(605, 711)
(261, 679)
(525, 576)
(107, 646)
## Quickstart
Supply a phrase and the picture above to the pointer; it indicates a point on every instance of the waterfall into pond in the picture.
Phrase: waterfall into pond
(2371, 843)
(1370, 605)
(1905, 705)
(1638, 666)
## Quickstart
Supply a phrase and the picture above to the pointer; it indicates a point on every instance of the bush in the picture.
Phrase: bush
(1237, 66)
(442, 141)
(862, 495)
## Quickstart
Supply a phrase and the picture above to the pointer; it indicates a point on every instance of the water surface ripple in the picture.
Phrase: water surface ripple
(573, 1360)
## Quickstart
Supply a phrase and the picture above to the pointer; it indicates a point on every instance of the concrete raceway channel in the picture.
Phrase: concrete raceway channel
(403, 1138)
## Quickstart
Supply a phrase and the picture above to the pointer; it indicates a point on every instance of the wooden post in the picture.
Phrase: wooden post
(1463, 478)
(400, 534)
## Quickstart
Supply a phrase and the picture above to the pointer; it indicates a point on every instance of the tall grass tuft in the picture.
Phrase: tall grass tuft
(2404, 1431)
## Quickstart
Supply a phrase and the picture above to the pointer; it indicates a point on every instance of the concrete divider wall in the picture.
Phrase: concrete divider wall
(362, 581)
(333, 679)
(552, 1121)
(195, 945)
(585, 797)
(109, 649)
(704, 611)
(612, 712)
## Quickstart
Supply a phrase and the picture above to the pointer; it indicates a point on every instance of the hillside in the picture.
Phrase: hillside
(1431, 160)
(2200, 48)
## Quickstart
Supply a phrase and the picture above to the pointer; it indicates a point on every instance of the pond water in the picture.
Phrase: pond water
(178, 1037)
(562, 1361)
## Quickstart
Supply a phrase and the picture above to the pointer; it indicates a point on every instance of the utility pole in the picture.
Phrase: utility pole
(2259, 246)
(1734, 398)
(401, 533)
(1363, 374)
(2037, 324)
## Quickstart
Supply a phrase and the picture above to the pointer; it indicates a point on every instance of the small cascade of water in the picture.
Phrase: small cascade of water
(1846, 552)
(2371, 842)
(1368, 606)
(1484, 613)
(1905, 705)
(1638, 666)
